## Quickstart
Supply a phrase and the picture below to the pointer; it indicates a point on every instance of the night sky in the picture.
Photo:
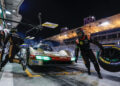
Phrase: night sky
(66, 13)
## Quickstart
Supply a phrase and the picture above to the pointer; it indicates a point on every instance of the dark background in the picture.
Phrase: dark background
(66, 13)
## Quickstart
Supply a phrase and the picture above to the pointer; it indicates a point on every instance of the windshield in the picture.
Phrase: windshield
(44, 47)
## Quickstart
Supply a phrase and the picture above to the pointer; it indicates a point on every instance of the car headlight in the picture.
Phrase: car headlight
(73, 59)
(45, 58)
(39, 57)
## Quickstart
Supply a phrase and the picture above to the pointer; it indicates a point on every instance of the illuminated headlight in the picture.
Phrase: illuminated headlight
(45, 58)
(39, 57)
(73, 59)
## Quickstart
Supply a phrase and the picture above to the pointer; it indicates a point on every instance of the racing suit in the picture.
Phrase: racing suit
(83, 44)
(1, 43)
(3, 35)
(14, 41)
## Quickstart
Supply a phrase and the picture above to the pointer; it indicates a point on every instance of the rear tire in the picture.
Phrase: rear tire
(110, 59)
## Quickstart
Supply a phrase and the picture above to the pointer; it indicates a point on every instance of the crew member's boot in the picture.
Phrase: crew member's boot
(0, 67)
(24, 66)
(76, 60)
(99, 75)
(89, 73)
(22, 62)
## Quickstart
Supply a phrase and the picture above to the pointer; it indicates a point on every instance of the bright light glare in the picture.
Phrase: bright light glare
(32, 37)
(8, 12)
(93, 17)
(1, 28)
(39, 57)
(3, 22)
(46, 58)
(73, 59)
(28, 37)
(8, 23)
(65, 35)
(0, 11)
(104, 23)
(14, 11)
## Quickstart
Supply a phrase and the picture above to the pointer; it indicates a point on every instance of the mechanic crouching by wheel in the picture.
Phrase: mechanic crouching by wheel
(14, 42)
(83, 44)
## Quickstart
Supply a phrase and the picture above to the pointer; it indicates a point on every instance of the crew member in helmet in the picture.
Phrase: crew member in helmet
(15, 41)
(3, 35)
(83, 44)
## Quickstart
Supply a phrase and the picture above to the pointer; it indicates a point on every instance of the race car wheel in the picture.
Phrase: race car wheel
(110, 59)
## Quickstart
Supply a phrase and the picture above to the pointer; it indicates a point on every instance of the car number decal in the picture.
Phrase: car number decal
(35, 61)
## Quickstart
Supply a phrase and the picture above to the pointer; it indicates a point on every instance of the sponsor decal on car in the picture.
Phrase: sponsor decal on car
(34, 61)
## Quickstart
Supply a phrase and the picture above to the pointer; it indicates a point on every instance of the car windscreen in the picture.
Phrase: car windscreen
(46, 48)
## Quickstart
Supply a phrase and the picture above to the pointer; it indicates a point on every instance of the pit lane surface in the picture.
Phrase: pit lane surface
(75, 75)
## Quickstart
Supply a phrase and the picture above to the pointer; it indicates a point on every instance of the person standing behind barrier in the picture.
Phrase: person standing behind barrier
(83, 44)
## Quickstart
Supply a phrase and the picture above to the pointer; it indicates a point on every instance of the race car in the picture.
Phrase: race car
(44, 55)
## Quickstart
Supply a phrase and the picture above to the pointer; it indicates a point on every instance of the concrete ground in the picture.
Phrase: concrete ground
(75, 75)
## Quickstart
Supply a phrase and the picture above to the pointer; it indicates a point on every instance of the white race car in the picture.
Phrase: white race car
(44, 55)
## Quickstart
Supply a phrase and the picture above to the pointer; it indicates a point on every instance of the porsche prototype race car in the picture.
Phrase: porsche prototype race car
(44, 55)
